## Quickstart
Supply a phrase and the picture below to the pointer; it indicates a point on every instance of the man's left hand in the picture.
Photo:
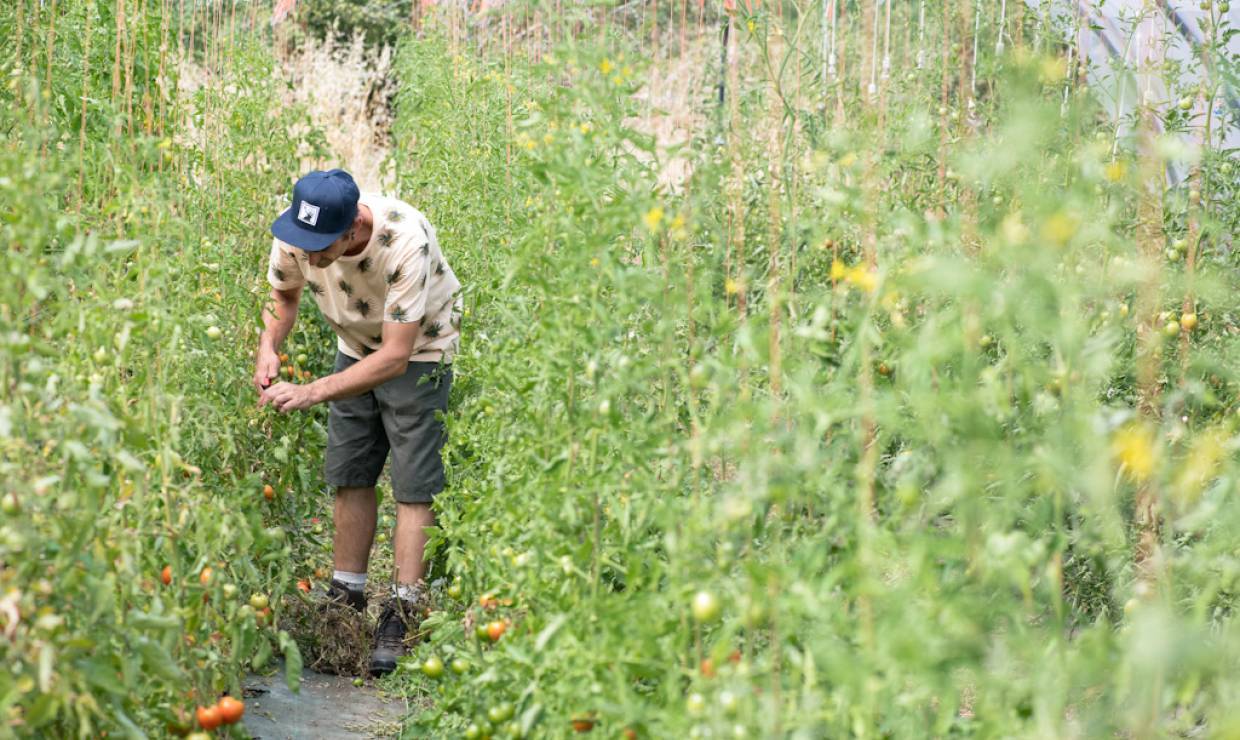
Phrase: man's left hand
(287, 397)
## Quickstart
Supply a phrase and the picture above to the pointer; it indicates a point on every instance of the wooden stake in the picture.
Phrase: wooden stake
(81, 182)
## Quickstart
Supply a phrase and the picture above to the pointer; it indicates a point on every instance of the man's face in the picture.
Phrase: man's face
(327, 256)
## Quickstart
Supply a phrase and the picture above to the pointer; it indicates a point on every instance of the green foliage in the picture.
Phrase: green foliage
(913, 488)
(379, 23)
(129, 440)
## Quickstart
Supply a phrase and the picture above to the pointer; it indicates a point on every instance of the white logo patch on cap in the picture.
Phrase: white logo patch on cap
(308, 213)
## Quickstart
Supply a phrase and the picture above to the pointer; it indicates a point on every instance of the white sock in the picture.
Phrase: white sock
(355, 581)
(407, 591)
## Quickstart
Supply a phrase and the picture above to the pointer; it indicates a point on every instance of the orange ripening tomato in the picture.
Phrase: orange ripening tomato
(209, 717)
(583, 724)
(304, 585)
(495, 630)
(708, 668)
(269, 493)
(230, 709)
(166, 575)
(205, 576)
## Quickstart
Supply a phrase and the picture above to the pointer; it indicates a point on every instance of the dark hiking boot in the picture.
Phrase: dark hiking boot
(339, 594)
(394, 624)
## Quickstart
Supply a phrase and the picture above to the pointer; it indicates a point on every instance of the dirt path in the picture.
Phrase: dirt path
(325, 707)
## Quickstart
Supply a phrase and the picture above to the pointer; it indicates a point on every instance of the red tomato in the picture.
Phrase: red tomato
(166, 575)
(230, 709)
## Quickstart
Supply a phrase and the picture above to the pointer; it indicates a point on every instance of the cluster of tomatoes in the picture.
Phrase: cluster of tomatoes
(294, 369)
(226, 711)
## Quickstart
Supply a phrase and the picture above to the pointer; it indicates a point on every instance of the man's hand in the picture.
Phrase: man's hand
(287, 397)
(266, 369)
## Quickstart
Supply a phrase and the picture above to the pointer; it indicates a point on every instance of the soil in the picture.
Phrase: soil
(325, 707)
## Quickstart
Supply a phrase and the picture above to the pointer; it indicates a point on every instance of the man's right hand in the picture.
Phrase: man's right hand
(266, 369)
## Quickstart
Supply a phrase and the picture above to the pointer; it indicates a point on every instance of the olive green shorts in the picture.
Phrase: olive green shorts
(403, 416)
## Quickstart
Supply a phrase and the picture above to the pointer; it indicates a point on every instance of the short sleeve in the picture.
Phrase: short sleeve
(407, 277)
(283, 269)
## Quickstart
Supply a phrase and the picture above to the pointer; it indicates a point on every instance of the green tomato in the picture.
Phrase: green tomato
(213, 332)
(454, 590)
(699, 376)
(460, 666)
(480, 631)
(433, 667)
(259, 601)
(706, 607)
(473, 732)
(500, 713)
(695, 704)
(1172, 328)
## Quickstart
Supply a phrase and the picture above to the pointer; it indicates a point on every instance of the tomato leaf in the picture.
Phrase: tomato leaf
(529, 717)
(156, 659)
(292, 662)
(549, 631)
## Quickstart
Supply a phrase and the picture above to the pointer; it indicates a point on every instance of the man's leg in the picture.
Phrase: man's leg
(357, 511)
(410, 542)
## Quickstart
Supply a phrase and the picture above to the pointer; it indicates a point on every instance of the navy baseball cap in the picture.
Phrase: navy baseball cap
(324, 206)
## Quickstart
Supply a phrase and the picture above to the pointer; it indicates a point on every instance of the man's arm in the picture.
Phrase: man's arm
(278, 319)
(391, 360)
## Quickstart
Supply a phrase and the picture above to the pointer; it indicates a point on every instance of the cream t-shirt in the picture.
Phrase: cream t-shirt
(401, 276)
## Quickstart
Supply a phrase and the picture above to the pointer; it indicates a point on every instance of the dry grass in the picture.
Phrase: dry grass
(347, 90)
(335, 639)
(672, 101)
(332, 638)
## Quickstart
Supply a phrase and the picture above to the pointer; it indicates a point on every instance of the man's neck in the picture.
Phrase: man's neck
(362, 237)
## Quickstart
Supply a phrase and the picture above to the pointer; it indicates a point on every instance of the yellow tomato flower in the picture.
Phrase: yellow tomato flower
(1134, 451)
(653, 218)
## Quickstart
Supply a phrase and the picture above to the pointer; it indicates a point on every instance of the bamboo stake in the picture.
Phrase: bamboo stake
(1002, 27)
(51, 46)
(842, 53)
(163, 68)
(921, 34)
(886, 75)
(775, 227)
(20, 29)
(736, 215)
(130, 52)
(81, 183)
(1150, 239)
(871, 62)
(116, 55)
(945, 49)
